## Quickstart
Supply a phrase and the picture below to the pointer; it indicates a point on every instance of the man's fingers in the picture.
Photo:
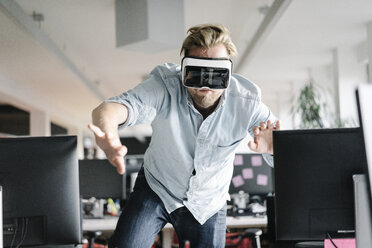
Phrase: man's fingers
(118, 162)
(113, 149)
(117, 158)
(109, 136)
(277, 125)
(252, 146)
(117, 152)
(262, 125)
(122, 151)
(270, 124)
(256, 130)
(96, 130)
(113, 140)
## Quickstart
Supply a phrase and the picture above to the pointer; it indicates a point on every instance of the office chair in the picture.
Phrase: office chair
(91, 236)
(247, 239)
(250, 238)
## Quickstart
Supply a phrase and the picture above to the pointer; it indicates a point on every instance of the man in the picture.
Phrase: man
(199, 114)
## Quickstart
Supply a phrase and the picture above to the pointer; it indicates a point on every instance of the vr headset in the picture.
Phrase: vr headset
(211, 73)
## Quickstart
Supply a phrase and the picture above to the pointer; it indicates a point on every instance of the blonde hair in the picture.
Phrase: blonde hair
(207, 36)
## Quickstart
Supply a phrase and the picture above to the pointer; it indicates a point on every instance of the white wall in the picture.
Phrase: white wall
(338, 81)
(351, 73)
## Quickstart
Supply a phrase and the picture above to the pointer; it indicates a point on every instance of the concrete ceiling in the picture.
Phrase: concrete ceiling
(85, 65)
(305, 36)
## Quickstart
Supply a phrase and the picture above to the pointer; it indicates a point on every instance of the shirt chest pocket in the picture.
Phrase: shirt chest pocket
(223, 152)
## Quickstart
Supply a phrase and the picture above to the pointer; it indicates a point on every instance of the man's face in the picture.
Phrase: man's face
(205, 98)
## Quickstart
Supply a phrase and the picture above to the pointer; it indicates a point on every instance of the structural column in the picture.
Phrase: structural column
(336, 82)
(79, 133)
(39, 123)
(369, 49)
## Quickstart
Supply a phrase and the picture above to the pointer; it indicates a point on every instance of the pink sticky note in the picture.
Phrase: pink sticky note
(256, 160)
(238, 160)
(262, 179)
(247, 173)
(340, 243)
(237, 181)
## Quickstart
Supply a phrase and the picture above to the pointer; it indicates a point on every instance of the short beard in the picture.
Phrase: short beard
(205, 101)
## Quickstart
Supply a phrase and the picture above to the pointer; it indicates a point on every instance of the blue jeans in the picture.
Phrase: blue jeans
(144, 215)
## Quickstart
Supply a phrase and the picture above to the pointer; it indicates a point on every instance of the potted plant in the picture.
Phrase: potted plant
(309, 107)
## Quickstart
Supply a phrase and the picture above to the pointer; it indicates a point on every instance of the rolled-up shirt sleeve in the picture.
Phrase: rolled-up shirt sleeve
(262, 114)
(144, 100)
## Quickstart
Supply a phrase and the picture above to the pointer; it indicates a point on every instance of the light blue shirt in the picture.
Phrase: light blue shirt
(182, 141)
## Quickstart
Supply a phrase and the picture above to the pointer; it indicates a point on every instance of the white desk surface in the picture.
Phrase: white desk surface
(109, 223)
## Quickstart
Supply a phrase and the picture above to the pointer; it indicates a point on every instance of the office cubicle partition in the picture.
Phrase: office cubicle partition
(252, 175)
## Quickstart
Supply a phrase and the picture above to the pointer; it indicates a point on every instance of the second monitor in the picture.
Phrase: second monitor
(99, 179)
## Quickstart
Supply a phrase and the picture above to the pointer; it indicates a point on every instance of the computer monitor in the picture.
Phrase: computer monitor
(40, 182)
(314, 183)
(99, 179)
(252, 175)
(363, 183)
(364, 103)
(136, 146)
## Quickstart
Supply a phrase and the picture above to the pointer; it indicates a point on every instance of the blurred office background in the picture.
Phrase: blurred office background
(60, 58)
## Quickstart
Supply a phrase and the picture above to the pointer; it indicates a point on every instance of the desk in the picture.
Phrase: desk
(109, 223)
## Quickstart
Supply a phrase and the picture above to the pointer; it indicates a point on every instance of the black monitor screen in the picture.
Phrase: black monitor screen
(313, 181)
(136, 146)
(99, 179)
(40, 181)
(252, 175)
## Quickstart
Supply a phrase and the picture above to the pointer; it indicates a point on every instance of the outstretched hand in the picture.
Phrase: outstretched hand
(111, 145)
(263, 137)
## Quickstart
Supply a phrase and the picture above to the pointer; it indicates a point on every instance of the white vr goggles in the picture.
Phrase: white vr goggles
(212, 73)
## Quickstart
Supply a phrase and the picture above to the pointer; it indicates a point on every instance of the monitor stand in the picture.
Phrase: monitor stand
(363, 220)
(310, 244)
